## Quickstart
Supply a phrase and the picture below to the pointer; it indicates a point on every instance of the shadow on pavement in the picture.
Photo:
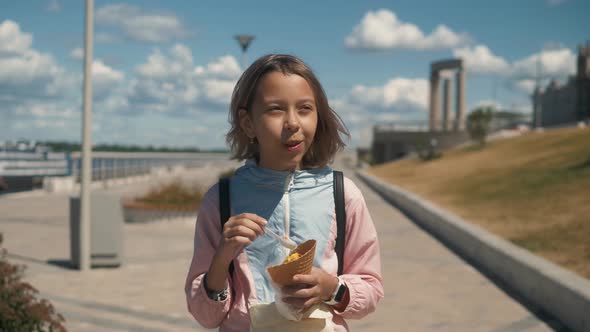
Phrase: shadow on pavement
(63, 263)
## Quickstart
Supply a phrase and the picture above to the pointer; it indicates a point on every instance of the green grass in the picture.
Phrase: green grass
(533, 190)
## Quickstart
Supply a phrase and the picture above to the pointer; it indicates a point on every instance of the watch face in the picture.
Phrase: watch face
(340, 293)
(221, 296)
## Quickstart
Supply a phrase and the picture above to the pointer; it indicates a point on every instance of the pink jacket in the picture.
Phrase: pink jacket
(362, 264)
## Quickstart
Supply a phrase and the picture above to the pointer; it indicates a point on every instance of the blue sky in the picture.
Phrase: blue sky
(164, 70)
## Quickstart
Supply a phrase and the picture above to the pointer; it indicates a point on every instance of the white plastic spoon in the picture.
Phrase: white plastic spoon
(287, 243)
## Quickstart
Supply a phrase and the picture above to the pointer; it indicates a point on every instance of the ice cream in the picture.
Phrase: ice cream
(299, 261)
(292, 257)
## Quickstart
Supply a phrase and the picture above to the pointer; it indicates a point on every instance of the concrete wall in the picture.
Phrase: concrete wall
(559, 292)
(391, 145)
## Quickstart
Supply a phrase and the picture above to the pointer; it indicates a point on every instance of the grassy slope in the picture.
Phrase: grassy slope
(533, 190)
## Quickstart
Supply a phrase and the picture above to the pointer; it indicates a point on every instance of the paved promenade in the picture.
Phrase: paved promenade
(427, 287)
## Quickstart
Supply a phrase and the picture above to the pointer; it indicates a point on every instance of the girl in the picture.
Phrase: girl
(283, 126)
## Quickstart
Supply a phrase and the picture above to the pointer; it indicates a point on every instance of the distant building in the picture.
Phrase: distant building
(442, 131)
(393, 141)
(565, 104)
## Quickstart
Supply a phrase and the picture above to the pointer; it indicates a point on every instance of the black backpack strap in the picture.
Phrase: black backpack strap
(340, 218)
(224, 209)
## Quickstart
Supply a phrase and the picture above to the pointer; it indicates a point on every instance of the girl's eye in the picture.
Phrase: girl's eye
(274, 109)
(307, 108)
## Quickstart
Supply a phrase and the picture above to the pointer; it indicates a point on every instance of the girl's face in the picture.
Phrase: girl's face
(283, 119)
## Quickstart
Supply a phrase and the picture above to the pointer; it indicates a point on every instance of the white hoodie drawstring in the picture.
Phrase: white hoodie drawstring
(286, 208)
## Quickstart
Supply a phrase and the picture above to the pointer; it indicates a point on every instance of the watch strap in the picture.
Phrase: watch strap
(338, 294)
(213, 295)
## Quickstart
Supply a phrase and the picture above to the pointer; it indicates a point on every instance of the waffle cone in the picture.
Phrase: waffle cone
(283, 274)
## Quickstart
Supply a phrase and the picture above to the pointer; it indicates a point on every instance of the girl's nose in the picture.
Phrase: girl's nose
(292, 121)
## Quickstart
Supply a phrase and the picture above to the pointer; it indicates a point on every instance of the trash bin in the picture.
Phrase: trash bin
(106, 230)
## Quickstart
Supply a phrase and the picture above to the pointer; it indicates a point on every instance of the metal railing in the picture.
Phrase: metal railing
(112, 165)
(105, 165)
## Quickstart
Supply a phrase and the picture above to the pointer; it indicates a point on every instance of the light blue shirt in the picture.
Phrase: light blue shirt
(303, 200)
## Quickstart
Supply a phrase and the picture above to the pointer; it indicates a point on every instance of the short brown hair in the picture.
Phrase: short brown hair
(327, 140)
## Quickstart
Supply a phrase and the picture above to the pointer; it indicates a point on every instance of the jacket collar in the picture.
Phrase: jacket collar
(277, 179)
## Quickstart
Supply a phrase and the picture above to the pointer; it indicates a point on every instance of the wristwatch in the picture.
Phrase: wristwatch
(338, 294)
(213, 295)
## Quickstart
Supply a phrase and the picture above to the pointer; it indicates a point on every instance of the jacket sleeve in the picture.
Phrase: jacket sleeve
(362, 260)
(207, 312)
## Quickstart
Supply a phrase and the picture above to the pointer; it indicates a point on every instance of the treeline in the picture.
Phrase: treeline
(58, 146)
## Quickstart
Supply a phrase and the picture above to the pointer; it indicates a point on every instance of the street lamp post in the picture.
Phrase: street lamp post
(86, 143)
(244, 41)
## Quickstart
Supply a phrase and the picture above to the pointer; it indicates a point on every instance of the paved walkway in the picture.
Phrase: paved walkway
(427, 287)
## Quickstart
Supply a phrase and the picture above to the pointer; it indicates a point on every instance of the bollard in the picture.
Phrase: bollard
(106, 230)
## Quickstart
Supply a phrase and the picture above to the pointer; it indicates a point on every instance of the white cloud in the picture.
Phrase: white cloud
(218, 91)
(105, 79)
(39, 98)
(45, 109)
(40, 124)
(554, 63)
(54, 6)
(140, 25)
(104, 73)
(156, 67)
(12, 39)
(27, 68)
(26, 72)
(527, 86)
(77, 53)
(159, 66)
(399, 93)
(382, 30)
(398, 100)
(479, 59)
(113, 103)
(171, 83)
(226, 67)
(40, 119)
(443, 37)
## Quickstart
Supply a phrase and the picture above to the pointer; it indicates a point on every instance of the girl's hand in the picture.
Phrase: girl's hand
(238, 232)
(313, 288)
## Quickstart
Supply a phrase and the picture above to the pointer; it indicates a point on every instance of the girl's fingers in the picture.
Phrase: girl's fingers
(255, 218)
(301, 292)
(243, 221)
(239, 241)
(309, 279)
(253, 226)
(311, 301)
(241, 231)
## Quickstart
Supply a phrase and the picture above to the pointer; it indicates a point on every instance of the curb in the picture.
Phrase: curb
(559, 292)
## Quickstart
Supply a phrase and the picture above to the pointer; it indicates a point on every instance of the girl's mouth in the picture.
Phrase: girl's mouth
(292, 147)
